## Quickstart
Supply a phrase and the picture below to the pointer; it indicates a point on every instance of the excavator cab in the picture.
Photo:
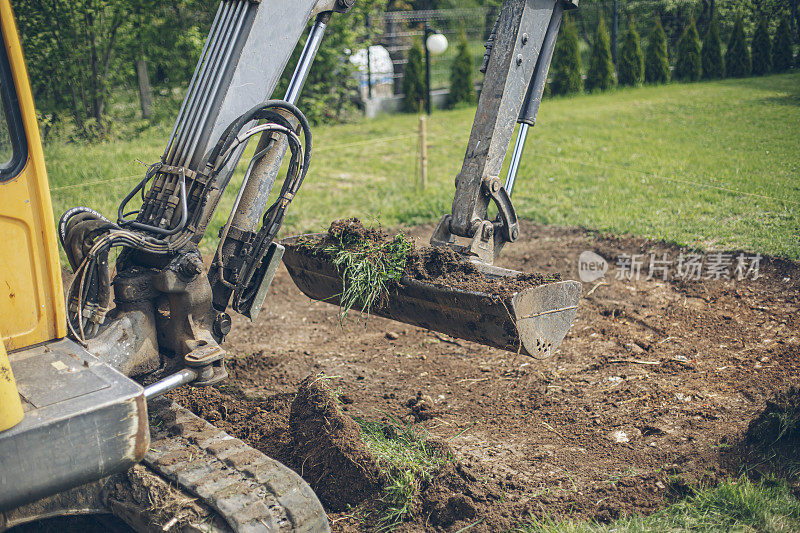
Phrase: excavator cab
(66, 417)
(70, 422)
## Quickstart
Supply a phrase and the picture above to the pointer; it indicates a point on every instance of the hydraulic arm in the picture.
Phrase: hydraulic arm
(162, 290)
(517, 61)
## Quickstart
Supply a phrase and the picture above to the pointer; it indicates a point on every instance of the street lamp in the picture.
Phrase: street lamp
(435, 44)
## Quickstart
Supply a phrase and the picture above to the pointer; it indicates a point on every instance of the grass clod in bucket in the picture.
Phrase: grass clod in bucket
(366, 260)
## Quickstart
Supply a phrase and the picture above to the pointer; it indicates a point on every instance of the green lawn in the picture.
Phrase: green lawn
(713, 165)
(734, 505)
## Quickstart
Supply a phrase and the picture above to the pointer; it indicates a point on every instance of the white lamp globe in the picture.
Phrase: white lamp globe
(436, 43)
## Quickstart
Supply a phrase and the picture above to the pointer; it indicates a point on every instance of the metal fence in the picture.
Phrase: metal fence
(396, 31)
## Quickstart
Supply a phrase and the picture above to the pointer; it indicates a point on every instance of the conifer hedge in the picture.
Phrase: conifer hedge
(713, 64)
(782, 47)
(567, 67)
(414, 80)
(762, 49)
(737, 56)
(630, 70)
(656, 66)
(601, 69)
(461, 87)
(688, 66)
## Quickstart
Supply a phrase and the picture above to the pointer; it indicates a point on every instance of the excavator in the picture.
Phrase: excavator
(84, 370)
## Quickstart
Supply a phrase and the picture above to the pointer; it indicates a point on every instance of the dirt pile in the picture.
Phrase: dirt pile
(307, 432)
(329, 450)
(261, 422)
(351, 229)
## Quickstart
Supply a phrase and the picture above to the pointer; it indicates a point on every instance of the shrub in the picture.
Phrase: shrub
(601, 69)
(567, 61)
(737, 57)
(630, 70)
(461, 86)
(688, 66)
(414, 80)
(656, 67)
(762, 49)
(713, 65)
(782, 47)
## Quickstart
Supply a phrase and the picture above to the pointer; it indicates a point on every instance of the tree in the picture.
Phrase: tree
(601, 69)
(737, 57)
(160, 43)
(688, 66)
(762, 49)
(631, 60)
(414, 80)
(567, 66)
(461, 87)
(656, 67)
(782, 47)
(70, 47)
(713, 65)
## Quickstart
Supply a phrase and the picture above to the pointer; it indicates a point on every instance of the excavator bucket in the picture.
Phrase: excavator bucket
(532, 321)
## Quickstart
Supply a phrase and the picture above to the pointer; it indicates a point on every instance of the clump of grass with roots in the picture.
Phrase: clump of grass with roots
(366, 265)
(409, 461)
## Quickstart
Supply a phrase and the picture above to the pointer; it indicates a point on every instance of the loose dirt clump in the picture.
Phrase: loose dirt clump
(422, 407)
(455, 496)
(351, 229)
(328, 446)
(145, 500)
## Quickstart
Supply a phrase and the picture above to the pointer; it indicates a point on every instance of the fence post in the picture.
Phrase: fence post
(423, 150)
(427, 67)
(369, 56)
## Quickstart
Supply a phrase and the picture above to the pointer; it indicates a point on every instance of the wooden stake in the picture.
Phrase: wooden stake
(423, 150)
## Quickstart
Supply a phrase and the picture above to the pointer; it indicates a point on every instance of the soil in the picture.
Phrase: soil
(444, 268)
(151, 503)
(652, 390)
(305, 430)
(438, 266)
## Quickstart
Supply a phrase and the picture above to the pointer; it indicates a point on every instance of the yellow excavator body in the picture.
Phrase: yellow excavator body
(31, 296)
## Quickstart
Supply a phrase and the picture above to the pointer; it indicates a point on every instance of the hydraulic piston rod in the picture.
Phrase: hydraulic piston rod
(533, 98)
(261, 175)
(265, 171)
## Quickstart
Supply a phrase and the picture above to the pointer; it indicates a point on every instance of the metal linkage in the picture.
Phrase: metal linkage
(240, 65)
(178, 379)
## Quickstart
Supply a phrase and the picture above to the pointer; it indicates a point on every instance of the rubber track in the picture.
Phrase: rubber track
(251, 491)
